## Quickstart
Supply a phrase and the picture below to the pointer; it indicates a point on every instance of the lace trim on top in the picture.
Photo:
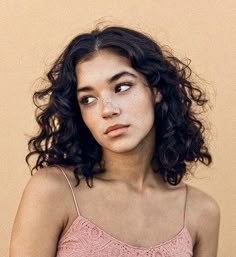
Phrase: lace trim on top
(84, 238)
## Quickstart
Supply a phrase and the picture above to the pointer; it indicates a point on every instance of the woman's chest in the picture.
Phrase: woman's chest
(144, 221)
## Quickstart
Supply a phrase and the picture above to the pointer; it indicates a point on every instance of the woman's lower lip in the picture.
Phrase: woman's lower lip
(117, 132)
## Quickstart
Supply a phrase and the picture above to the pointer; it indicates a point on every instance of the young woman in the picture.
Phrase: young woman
(118, 133)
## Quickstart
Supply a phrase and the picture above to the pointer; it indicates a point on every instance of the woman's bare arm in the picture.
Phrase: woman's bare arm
(208, 224)
(40, 217)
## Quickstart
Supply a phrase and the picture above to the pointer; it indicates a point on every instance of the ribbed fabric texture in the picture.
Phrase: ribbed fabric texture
(86, 239)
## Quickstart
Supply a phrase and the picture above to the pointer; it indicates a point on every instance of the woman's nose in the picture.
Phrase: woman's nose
(110, 109)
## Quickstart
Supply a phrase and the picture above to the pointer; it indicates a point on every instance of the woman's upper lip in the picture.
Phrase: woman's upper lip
(116, 126)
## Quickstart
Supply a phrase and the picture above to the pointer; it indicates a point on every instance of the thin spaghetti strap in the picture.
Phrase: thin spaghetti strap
(76, 205)
(185, 204)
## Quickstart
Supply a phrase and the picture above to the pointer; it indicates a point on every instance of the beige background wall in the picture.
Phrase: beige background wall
(34, 32)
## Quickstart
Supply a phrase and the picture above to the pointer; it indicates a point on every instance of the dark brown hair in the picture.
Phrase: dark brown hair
(63, 138)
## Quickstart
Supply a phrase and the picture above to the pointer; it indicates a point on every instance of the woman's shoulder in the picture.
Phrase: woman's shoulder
(48, 180)
(202, 200)
(52, 176)
(203, 211)
(49, 189)
(41, 214)
(199, 202)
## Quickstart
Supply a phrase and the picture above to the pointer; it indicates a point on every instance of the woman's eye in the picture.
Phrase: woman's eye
(124, 84)
(84, 99)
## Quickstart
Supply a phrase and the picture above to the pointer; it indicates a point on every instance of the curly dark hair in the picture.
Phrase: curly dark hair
(63, 138)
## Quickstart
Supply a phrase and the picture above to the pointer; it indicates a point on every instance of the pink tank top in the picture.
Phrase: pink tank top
(86, 239)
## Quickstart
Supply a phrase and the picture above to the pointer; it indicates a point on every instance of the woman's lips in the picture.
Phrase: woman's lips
(118, 131)
(115, 127)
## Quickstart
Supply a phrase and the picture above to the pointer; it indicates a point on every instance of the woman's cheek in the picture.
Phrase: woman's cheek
(89, 118)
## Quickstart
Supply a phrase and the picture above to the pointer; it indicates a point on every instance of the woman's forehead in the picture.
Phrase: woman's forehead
(105, 58)
(105, 65)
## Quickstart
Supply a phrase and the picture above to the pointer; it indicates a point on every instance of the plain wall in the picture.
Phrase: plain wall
(33, 33)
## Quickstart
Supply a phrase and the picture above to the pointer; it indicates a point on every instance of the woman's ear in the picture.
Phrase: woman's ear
(158, 95)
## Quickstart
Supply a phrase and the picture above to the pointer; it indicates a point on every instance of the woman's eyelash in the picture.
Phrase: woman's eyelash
(83, 99)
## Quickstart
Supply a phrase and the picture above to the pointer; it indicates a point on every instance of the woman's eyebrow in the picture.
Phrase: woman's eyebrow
(110, 80)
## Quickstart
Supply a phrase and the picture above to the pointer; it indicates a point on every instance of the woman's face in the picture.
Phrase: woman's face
(122, 100)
